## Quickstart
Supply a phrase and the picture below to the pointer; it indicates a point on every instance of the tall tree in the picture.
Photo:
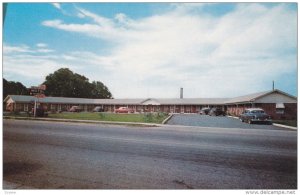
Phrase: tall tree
(99, 90)
(65, 83)
(13, 88)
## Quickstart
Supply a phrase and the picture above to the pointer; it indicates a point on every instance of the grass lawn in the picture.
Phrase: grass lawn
(102, 116)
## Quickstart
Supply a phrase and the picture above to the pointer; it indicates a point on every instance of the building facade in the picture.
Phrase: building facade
(276, 103)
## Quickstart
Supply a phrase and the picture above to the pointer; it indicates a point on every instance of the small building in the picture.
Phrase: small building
(276, 103)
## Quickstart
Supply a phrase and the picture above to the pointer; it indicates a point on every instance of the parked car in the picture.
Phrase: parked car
(98, 109)
(255, 115)
(75, 109)
(204, 111)
(216, 112)
(123, 110)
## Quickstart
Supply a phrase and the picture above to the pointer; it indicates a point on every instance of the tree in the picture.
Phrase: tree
(65, 83)
(99, 90)
(13, 88)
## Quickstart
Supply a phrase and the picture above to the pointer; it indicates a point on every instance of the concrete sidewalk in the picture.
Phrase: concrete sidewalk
(164, 123)
(85, 121)
(275, 124)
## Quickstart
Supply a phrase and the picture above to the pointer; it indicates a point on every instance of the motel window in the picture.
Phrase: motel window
(188, 109)
(52, 107)
(182, 109)
(26, 107)
(280, 108)
(171, 109)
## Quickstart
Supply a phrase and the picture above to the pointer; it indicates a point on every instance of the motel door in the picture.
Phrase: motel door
(182, 109)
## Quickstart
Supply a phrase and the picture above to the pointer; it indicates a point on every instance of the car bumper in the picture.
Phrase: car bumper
(261, 120)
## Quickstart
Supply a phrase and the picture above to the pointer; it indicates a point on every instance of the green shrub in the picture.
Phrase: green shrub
(148, 117)
(16, 112)
(102, 115)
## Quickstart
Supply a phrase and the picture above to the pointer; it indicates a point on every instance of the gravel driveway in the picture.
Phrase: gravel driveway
(215, 121)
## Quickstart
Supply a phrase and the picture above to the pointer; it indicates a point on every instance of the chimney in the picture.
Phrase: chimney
(181, 93)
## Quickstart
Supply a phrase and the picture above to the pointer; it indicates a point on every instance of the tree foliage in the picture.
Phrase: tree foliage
(13, 88)
(65, 83)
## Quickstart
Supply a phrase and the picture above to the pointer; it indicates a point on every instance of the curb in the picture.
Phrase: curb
(167, 119)
(233, 117)
(85, 121)
(275, 124)
(285, 126)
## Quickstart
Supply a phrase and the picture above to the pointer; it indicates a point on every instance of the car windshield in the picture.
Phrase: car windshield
(257, 111)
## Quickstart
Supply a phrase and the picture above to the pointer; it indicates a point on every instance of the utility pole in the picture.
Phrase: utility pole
(273, 85)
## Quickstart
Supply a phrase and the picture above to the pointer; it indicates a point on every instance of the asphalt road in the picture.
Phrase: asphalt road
(216, 121)
(48, 155)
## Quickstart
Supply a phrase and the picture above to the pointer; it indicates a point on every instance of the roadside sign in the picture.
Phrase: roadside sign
(38, 92)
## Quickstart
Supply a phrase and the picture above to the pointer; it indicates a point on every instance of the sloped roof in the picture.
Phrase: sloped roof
(246, 98)
(143, 101)
(255, 96)
(20, 98)
(61, 100)
(118, 101)
(162, 101)
(191, 101)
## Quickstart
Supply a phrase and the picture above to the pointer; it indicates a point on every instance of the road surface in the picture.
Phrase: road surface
(48, 155)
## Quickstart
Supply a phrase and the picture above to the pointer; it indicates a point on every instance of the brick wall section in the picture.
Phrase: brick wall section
(290, 111)
(236, 110)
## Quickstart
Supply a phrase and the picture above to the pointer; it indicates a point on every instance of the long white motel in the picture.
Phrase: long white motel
(278, 104)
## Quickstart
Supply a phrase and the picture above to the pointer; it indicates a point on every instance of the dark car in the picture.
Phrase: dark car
(216, 112)
(204, 111)
(98, 109)
(252, 115)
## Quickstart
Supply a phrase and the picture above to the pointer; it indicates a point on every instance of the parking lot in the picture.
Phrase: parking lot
(215, 121)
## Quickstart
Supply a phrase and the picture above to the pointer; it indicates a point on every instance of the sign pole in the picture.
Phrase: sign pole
(34, 108)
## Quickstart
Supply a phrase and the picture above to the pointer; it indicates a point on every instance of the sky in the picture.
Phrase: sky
(151, 50)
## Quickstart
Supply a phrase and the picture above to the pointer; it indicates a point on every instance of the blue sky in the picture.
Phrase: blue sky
(152, 49)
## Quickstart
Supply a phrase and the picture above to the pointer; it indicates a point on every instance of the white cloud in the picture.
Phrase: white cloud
(12, 49)
(88, 29)
(45, 50)
(41, 45)
(56, 5)
(33, 65)
(233, 54)
(80, 15)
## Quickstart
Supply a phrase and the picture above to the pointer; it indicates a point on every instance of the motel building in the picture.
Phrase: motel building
(276, 103)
